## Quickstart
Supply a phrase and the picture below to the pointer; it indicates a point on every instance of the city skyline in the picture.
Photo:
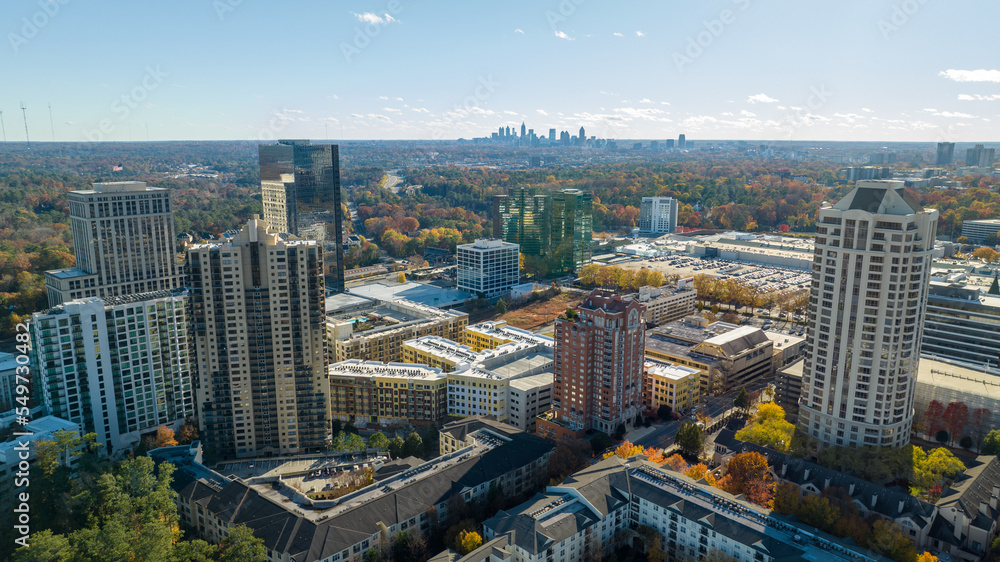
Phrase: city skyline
(869, 72)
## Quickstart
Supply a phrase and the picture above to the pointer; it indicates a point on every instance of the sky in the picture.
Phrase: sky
(853, 70)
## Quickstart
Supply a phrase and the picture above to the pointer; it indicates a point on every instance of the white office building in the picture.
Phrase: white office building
(871, 270)
(488, 267)
(658, 215)
(977, 230)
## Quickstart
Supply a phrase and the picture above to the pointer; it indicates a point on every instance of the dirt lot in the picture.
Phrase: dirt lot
(537, 314)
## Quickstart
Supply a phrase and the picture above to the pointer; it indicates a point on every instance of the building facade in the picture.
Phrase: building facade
(522, 217)
(387, 394)
(962, 324)
(119, 368)
(671, 385)
(598, 365)
(527, 398)
(658, 215)
(665, 305)
(124, 242)
(300, 186)
(488, 268)
(977, 230)
(494, 333)
(866, 316)
(259, 327)
(403, 320)
(945, 154)
(572, 222)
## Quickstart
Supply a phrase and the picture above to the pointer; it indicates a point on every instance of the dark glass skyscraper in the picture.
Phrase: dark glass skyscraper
(558, 225)
(300, 184)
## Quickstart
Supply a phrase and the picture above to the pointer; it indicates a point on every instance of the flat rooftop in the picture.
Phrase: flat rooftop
(532, 362)
(958, 376)
(362, 368)
(533, 381)
(68, 273)
(417, 292)
(668, 370)
(346, 301)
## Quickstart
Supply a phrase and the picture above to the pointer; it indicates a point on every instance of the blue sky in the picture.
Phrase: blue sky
(914, 70)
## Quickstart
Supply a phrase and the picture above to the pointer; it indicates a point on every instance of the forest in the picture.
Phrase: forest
(452, 206)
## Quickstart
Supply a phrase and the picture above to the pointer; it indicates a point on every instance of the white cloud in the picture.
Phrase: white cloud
(981, 75)
(664, 103)
(292, 111)
(383, 98)
(509, 112)
(373, 18)
(420, 109)
(746, 113)
(392, 110)
(979, 97)
(542, 112)
(761, 98)
(399, 99)
(639, 33)
(954, 115)
(519, 30)
(866, 110)
(562, 35)
(645, 100)
(616, 34)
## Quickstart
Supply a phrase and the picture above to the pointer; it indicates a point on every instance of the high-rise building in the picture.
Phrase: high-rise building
(300, 185)
(522, 218)
(552, 135)
(598, 366)
(119, 367)
(945, 154)
(668, 144)
(681, 142)
(259, 324)
(583, 136)
(871, 270)
(124, 241)
(488, 267)
(980, 156)
(572, 229)
(658, 215)
(524, 130)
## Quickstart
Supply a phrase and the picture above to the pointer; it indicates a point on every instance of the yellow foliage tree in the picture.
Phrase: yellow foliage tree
(654, 455)
(401, 278)
(769, 428)
(676, 463)
(468, 541)
(927, 557)
(626, 450)
(165, 437)
(699, 471)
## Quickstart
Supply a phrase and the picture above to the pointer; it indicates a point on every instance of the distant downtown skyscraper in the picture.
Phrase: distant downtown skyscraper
(871, 271)
(258, 323)
(945, 154)
(300, 186)
(124, 242)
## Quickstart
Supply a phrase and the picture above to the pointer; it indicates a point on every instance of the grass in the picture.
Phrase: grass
(539, 313)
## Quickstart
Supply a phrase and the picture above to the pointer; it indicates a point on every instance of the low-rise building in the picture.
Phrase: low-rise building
(582, 518)
(949, 381)
(376, 334)
(676, 386)
(727, 356)
(787, 348)
(463, 433)
(977, 230)
(344, 529)
(39, 429)
(440, 352)
(666, 305)
(962, 323)
(529, 397)
(494, 333)
(387, 393)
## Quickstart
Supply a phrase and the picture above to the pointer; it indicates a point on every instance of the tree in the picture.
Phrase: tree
(743, 470)
(689, 438)
(626, 450)
(991, 445)
(891, 541)
(769, 428)
(396, 447)
(664, 412)
(699, 471)
(45, 546)
(742, 402)
(932, 468)
(165, 437)
(401, 278)
(787, 498)
(933, 417)
(620, 431)
(414, 445)
(818, 512)
(378, 440)
(654, 455)
(927, 557)
(599, 442)
(676, 463)
(501, 307)
(956, 418)
(468, 541)
(240, 545)
(187, 432)
(196, 551)
(980, 425)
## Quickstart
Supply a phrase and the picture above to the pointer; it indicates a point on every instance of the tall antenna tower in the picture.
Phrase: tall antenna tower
(2, 126)
(51, 123)
(24, 114)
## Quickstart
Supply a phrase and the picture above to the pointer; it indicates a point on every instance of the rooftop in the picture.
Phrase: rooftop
(417, 292)
(118, 187)
(362, 368)
(668, 370)
(954, 375)
(533, 381)
(500, 329)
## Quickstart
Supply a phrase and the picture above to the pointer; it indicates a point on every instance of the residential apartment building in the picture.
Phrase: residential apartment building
(300, 187)
(866, 316)
(387, 393)
(598, 366)
(259, 327)
(948, 381)
(463, 433)
(980, 156)
(377, 334)
(676, 386)
(346, 528)
(494, 333)
(788, 388)
(726, 355)
(581, 518)
(488, 267)
(439, 352)
(8, 380)
(666, 305)
(527, 398)
(119, 367)
(124, 242)
(658, 215)
(963, 324)
(39, 429)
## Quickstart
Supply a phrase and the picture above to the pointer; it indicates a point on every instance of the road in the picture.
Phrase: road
(664, 433)
(391, 182)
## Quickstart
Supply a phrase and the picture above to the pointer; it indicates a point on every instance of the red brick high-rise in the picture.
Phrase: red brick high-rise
(598, 366)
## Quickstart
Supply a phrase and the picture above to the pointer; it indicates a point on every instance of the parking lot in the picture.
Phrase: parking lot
(766, 278)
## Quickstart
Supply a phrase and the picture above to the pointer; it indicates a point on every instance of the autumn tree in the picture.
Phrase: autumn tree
(626, 450)
(817, 511)
(890, 540)
(689, 438)
(165, 437)
(699, 471)
(676, 463)
(933, 468)
(468, 541)
(769, 428)
(955, 419)
(747, 473)
(787, 498)
(187, 432)
(934, 417)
